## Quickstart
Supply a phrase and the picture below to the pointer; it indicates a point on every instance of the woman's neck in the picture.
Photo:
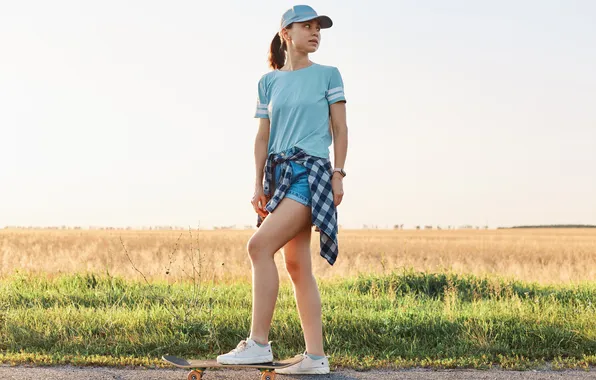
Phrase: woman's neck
(296, 61)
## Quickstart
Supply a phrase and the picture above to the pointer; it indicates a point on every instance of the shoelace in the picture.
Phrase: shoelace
(241, 346)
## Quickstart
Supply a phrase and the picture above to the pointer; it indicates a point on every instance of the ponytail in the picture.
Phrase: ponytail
(277, 53)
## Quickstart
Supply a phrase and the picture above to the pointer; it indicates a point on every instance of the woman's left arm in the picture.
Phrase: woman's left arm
(340, 147)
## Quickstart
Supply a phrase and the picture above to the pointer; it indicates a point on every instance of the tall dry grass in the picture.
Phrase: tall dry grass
(547, 256)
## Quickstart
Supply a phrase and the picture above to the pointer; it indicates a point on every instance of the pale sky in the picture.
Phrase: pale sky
(135, 113)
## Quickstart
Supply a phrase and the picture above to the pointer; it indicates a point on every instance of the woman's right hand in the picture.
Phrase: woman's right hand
(259, 201)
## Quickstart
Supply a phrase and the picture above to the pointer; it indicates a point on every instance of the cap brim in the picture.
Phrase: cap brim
(325, 21)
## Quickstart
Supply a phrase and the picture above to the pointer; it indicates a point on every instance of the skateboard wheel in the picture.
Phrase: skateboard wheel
(194, 375)
(268, 375)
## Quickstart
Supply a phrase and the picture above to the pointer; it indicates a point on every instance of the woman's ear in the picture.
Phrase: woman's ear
(285, 36)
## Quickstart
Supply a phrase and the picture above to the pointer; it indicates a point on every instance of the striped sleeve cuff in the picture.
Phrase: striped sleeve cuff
(262, 111)
(335, 95)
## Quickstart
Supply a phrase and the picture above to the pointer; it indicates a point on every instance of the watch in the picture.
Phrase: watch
(341, 171)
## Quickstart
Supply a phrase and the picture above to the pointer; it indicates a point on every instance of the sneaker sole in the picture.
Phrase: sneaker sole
(311, 371)
(252, 360)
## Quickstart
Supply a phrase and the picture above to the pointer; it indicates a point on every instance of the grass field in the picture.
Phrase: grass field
(546, 256)
(513, 298)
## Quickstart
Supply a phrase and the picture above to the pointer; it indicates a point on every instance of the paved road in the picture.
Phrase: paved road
(107, 373)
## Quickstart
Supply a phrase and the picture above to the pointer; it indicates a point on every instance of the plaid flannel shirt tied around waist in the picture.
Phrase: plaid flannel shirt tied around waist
(324, 212)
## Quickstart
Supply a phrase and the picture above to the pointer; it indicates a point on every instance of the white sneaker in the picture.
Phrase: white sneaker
(307, 366)
(247, 352)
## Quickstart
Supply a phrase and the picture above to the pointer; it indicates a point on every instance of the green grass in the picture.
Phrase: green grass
(399, 320)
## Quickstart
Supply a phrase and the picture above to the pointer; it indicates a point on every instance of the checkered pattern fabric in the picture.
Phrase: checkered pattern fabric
(324, 212)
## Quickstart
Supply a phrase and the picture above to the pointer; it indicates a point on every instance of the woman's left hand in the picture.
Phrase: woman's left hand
(337, 185)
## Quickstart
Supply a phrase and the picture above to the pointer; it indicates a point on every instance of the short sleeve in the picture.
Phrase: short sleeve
(262, 111)
(335, 90)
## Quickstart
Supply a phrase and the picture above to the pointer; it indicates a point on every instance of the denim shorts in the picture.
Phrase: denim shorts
(299, 188)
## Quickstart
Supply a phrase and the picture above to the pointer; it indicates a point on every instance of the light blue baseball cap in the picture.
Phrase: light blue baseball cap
(301, 13)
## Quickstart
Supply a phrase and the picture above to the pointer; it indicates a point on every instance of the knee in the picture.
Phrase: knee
(295, 270)
(256, 248)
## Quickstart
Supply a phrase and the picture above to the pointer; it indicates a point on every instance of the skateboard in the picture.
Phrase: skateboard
(198, 367)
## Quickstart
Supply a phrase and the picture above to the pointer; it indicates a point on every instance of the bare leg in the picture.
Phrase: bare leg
(297, 256)
(277, 229)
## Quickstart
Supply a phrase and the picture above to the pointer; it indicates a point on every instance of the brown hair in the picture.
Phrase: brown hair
(277, 52)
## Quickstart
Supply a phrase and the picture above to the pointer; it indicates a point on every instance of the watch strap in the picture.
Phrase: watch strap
(340, 171)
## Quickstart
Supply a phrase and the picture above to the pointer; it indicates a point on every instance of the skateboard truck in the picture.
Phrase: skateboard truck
(197, 374)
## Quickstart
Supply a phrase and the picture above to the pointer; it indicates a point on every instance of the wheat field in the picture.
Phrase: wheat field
(545, 256)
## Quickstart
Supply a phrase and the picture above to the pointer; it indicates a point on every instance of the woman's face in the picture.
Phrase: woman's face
(304, 36)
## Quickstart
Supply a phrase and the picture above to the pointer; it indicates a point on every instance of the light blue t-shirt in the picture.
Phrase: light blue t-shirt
(297, 104)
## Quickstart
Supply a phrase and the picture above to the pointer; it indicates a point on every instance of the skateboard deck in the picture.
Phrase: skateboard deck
(199, 366)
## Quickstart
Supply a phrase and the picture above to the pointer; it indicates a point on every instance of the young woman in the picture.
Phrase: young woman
(301, 111)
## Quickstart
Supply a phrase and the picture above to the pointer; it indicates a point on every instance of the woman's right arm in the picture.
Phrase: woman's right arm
(260, 151)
